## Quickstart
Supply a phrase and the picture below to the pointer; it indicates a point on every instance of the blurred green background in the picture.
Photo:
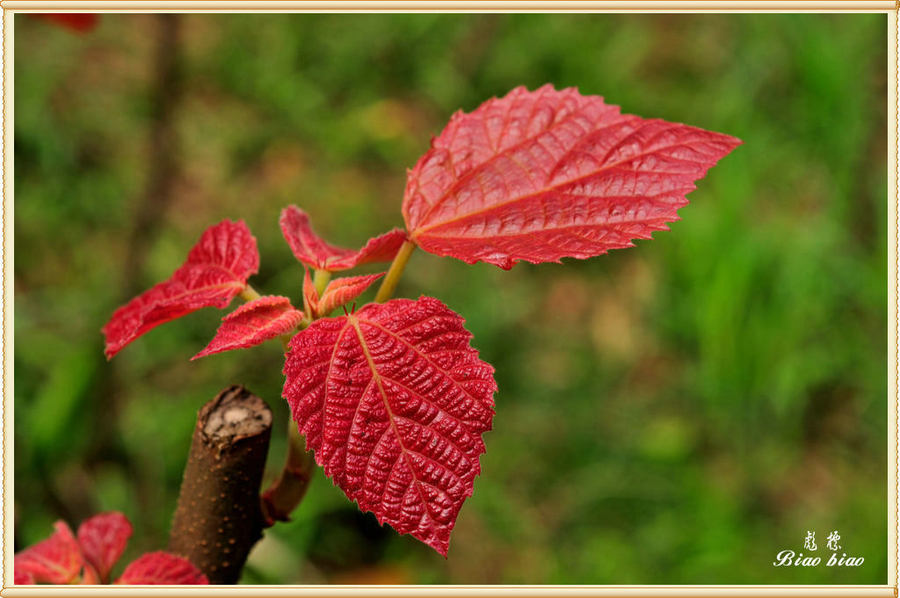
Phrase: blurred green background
(675, 413)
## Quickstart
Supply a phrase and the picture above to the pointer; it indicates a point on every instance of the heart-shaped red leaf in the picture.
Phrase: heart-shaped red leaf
(162, 568)
(253, 323)
(542, 175)
(216, 270)
(56, 560)
(103, 539)
(314, 252)
(394, 400)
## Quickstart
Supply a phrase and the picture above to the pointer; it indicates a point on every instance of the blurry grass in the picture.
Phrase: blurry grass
(675, 413)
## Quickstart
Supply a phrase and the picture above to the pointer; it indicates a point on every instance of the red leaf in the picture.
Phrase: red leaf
(310, 294)
(80, 22)
(253, 323)
(342, 290)
(89, 576)
(311, 250)
(394, 400)
(21, 578)
(56, 560)
(162, 568)
(542, 175)
(103, 539)
(216, 270)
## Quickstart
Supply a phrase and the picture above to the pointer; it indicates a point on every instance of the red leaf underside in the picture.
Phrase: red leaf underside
(217, 269)
(313, 251)
(56, 560)
(253, 323)
(162, 568)
(542, 175)
(394, 401)
(343, 290)
(103, 539)
(310, 295)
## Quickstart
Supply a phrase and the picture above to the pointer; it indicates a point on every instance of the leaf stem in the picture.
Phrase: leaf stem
(286, 492)
(249, 294)
(386, 290)
(321, 279)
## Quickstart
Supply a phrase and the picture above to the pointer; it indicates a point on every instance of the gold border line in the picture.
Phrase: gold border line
(892, 8)
(452, 591)
(6, 168)
(454, 6)
(893, 171)
(894, 284)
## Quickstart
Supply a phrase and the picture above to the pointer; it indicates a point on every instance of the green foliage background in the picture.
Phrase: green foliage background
(675, 413)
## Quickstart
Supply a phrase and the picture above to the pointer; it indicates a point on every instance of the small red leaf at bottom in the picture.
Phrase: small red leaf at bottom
(21, 578)
(103, 539)
(56, 560)
(253, 323)
(162, 568)
(393, 400)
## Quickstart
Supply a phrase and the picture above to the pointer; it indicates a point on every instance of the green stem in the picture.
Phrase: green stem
(249, 294)
(386, 291)
(320, 279)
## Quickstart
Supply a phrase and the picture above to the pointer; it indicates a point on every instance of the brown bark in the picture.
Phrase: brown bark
(218, 518)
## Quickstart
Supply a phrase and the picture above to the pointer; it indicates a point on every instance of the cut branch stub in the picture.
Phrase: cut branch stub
(218, 518)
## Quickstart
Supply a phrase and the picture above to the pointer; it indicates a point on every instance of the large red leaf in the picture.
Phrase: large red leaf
(253, 323)
(394, 400)
(161, 568)
(103, 539)
(542, 175)
(56, 560)
(312, 250)
(216, 270)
